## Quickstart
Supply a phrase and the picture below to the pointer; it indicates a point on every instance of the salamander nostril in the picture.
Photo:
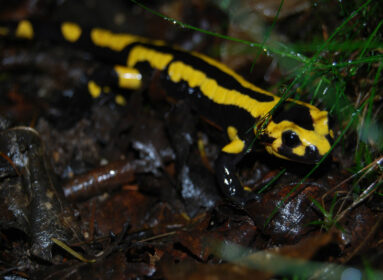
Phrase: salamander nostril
(311, 152)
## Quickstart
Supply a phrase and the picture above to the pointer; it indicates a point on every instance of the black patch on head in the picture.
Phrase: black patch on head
(298, 114)
(311, 154)
(290, 139)
(266, 139)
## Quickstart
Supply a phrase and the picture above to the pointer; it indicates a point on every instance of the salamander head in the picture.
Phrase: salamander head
(300, 132)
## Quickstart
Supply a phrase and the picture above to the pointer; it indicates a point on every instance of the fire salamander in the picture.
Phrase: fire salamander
(295, 131)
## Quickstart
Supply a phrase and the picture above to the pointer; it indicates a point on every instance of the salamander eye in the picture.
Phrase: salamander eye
(290, 139)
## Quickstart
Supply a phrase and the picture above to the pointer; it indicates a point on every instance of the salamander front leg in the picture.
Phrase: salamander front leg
(230, 155)
(227, 180)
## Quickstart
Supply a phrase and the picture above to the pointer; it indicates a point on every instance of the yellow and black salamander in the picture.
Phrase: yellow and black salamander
(296, 131)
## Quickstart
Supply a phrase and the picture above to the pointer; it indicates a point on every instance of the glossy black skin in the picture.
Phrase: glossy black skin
(229, 183)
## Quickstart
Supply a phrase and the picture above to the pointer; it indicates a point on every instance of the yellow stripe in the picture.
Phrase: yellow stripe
(210, 88)
(24, 30)
(117, 41)
(71, 31)
(157, 60)
(230, 72)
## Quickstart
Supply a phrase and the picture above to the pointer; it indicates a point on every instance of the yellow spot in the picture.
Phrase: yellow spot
(234, 147)
(211, 89)
(331, 133)
(120, 100)
(128, 77)
(94, 89)
(106, 89)
(71, 31)
(299, 151)
(157, 60)
(232, 133)
(4, 31)
(24, 30)
(247, 189)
